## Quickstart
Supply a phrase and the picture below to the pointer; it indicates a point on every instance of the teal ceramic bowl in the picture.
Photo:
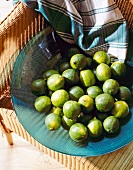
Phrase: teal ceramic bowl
(31, 62)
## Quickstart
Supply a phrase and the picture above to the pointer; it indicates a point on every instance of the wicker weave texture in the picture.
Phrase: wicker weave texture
(15, 31)
(121, 159)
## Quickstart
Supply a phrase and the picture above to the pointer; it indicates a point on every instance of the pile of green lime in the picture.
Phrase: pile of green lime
(84, 95)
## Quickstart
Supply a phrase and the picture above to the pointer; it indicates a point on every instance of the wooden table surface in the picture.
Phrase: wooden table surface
(24, 156)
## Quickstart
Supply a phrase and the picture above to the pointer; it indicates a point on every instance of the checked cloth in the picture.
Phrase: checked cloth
(91, 24)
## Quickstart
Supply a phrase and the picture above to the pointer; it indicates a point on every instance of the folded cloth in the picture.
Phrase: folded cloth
(91, 24)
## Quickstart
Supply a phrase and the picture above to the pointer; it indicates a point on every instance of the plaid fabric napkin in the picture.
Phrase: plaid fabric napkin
(91, 24)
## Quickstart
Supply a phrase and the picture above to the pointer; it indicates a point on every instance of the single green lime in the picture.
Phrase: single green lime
(78, 132)
(101, 116)
(55, 82)
(95, 127)
(39, 87)
(120, 109)
(67, 123)
(94, 91)
(118, 69)
(87, 78)
(101, 57)
(52, 121)
(103, 72)
(78, 61)
(75, 92)
(124, 93)
(57, 110)
(87, 103)
(71, 76)
(110, 86)
(89, 62)
(84, 118)
(42, 104)
(64, 66)
(71, 109)
(59, 97)
(104, 102)
(72, 51)
(48, 73)
(111, 124)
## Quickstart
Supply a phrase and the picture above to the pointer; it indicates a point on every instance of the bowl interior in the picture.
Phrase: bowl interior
(31, 62)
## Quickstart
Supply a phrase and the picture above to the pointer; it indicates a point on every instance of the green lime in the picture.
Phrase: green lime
(87, 103)
(71, 76)
(120, 109)
(42, 104)
(75, 92)
(87, 78)
(94, 91)
(84, 118)
(104, 102)
(103, 72)
(48, 73)
(101, 57)
(57, 110)
(55, 82)
(67, 123)
(110, 86)
(78, 132)
(124, 93)
(72, 51)
(95, 127)
(71, 109)
(52, 121)
(118, 69)
(89, 61)
(59, 97)
(111, 124)
(101, 116)
(39, 87)
(64, 66)
(78, 61)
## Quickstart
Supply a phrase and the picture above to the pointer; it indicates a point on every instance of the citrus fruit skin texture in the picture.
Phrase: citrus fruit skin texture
(75, 92)
(87, 78)
(95, 127)
(55, 82)
(94, 91)
(101, 57)
(59, 97)
(71, 76)
(110, 86)
(118, 69)
(87, 103)
(72, 51)
(84, 118)
(67, 123)
(78, 132)
(120, 109)
(57, 110)
(52, 121)
(71, 109)
(111, 124)
(38, 87)
(42, 104)
(48, 73)
(89, 61)
(64, 66)
(104, 102)
(103, 72)
(78, 61)
(124, 93)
